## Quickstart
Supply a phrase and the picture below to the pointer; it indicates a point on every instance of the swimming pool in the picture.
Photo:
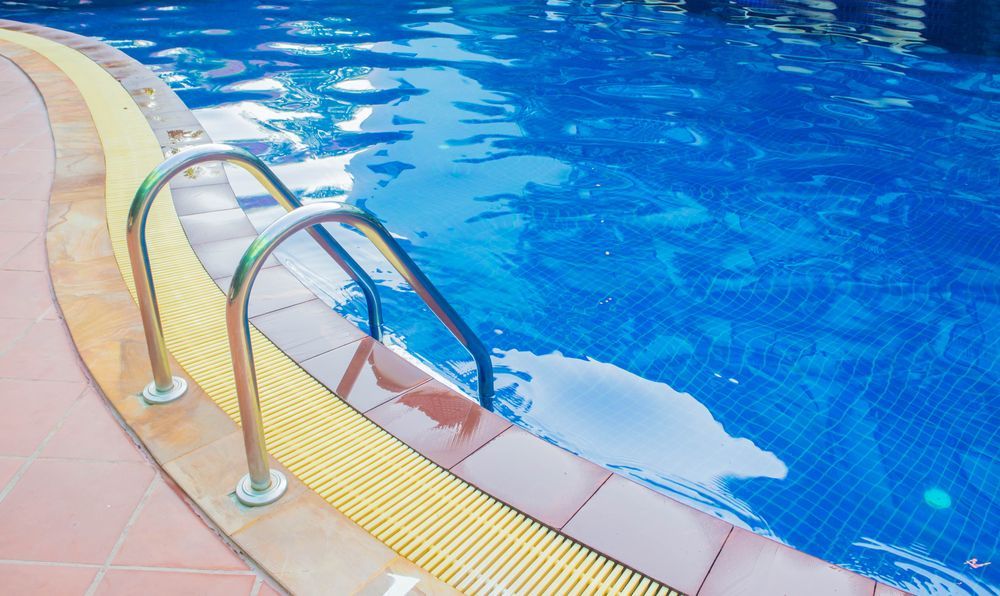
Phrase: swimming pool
(745, 253)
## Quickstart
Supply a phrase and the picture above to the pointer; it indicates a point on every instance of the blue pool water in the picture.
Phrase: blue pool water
(747, 253)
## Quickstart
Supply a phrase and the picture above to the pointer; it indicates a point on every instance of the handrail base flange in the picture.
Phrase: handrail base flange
(152, 395)
(247, 495)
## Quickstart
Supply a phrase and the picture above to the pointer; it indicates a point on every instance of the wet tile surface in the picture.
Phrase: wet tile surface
(221, 257)
(364, 373)
(307, 329)
(542, 480)
(275, 288)
(439, 423)
(203, 199)
(658, 536)
(750, 564)
(217, 225)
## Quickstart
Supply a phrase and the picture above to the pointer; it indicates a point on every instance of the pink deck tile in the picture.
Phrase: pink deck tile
(11, 330)
(364, 373)
(439, 423)
(8, 467)
(750, 564)
(31, 410)
(50, 580)
(542, 480)
(44, 352)
(12, 243)
(168, 534)
(654, 534)
(20, 215)
(127, 582)
(26, 294)
(30, 258)
(90, 432)
(70, 511)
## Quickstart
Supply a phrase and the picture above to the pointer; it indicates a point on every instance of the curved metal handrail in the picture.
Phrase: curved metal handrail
(166, 387)
(263, 485)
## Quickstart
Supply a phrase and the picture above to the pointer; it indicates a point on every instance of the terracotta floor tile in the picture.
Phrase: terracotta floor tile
(542, 480)
(70, 511)
(750, 564)
(660, 537)
(168, 534)
(44, 352)
(48, 580)
(364, 373)
(91, 432)
(267, 590)
(12, 243)
(31, 410)
(22, 216)
(439, 423)
(11, 330)
(26, 294)
(307, 329)
(127, 582)
(275, 288)
(217, 225)
(30, 258)
(8, 467)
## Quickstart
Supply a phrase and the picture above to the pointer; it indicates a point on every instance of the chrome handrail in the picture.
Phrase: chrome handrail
(263, 485)
(165, 387)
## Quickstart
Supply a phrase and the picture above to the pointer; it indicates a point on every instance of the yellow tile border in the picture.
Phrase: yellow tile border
(434, 519)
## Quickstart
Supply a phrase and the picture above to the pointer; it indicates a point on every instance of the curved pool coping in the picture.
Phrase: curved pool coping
(644, 530)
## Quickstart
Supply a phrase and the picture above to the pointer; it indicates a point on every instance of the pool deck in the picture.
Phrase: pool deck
(82, 508)
(647, 532)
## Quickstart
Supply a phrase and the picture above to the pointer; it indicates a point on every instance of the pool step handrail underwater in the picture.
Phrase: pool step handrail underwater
(262, 485)
(165, 387)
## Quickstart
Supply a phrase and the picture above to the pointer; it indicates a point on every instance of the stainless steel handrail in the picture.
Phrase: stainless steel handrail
(165, 387)
(263, 485)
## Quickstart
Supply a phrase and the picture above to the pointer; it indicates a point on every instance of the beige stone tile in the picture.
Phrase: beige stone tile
(403, 577)
(209, 476)
(314, 549)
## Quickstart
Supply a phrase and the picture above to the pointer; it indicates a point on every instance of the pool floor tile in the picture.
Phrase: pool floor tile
(129, 582)
(364, 373)
(442, 425)
(536, 477)
(70, 511)
(307, 329)
(167, 533)
(654, 534)
(750, 565)
(50, 580)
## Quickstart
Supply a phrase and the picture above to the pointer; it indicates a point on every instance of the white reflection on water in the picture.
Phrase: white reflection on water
(650, 426)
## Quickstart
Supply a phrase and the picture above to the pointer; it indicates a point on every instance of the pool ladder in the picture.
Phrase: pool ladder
(263, 485)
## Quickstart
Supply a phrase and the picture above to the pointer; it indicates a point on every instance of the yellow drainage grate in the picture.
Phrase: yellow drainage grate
(446, 526)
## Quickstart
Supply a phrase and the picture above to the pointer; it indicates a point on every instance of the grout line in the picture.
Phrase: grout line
(587, 500)
(255, 590)
(714, 561)
(121, 538)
